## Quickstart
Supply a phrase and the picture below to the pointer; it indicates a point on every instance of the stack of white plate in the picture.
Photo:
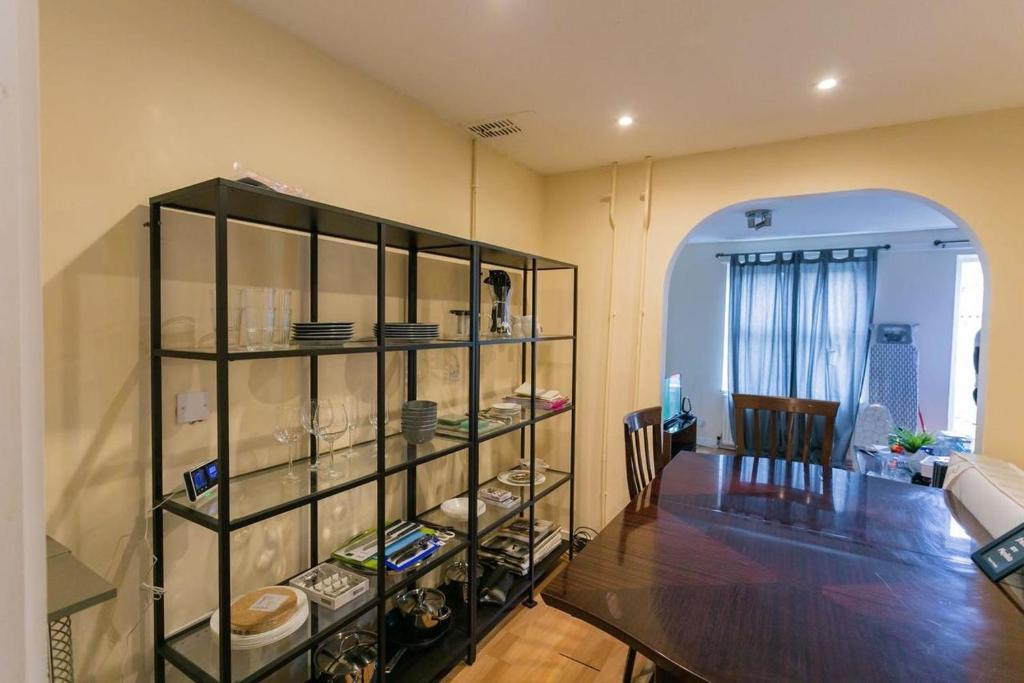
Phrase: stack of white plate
(322, 333)
(410, 332)
(251, 642)
(506, 410)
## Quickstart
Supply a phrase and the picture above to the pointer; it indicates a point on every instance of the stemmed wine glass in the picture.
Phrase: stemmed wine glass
(317, 415)
(374, 419)
(288, 431)
(334, 431)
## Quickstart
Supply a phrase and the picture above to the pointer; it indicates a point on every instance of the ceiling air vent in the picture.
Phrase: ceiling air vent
(497, 128)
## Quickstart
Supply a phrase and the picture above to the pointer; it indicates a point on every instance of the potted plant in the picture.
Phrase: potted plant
(904, 440)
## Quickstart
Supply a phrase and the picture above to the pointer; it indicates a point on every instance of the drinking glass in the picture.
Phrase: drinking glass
(283, 320)
(288, 431)
(333, 432)
(317, 414)
(235, 305)
(258, 318)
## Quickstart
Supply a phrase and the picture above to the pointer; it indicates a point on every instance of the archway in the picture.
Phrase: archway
(918, 231)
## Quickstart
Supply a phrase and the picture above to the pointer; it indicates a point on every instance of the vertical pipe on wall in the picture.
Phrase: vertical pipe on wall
(473, 184)
(643, 283)
(608, 347)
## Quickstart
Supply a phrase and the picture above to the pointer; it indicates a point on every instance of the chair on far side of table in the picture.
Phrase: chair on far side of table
(790, 410)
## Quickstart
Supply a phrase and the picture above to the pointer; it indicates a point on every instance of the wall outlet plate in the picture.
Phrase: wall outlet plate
(193, 406)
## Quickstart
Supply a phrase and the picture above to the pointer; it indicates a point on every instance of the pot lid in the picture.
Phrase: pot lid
(421, 601)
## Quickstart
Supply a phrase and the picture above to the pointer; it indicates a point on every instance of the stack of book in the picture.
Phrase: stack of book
(546, 399)
(497, 496)
(510, 547)
(457, 426)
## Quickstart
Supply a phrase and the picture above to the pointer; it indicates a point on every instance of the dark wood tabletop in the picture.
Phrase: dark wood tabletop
(747, 569)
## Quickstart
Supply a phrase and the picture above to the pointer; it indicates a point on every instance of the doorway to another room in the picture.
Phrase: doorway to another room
(871, 299)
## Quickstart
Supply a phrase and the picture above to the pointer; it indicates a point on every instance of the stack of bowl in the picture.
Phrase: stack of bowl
(419, 420)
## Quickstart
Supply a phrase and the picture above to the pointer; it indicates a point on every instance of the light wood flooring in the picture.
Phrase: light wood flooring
(543, 644)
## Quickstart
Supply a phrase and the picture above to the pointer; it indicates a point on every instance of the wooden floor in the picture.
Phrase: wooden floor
(544, 644)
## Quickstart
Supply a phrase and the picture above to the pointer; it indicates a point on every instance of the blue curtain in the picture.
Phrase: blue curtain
(800, 325)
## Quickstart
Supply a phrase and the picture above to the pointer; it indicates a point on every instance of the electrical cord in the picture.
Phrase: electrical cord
(157, 592)
(581, 537)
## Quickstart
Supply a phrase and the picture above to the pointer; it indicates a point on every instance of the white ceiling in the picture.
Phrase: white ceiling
(836, 213)
(695, 74)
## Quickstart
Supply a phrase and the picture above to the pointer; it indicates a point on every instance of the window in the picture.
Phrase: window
(970, 298)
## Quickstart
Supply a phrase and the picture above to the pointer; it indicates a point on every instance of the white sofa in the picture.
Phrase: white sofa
(993, 490)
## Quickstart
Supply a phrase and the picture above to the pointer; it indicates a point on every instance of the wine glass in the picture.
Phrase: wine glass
(334, 431)
(317, 414)
(288, 431)
(374, 419)
(352, 413)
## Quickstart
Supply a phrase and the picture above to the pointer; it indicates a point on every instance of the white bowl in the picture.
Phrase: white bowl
(459, 508)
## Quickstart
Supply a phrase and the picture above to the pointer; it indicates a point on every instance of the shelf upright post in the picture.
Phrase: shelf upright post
(223, 446)
(381, 463)
(530, 602)
(572, 418)
(474, 441)
(522, 365)
(156, 436)
(314, 389)
(411, 369)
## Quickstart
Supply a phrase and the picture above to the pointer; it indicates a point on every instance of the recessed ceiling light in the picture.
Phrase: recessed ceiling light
(827, 83)
(625, 120)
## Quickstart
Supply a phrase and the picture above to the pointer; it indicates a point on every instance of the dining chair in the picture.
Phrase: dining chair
(791, 410)
(644, 448)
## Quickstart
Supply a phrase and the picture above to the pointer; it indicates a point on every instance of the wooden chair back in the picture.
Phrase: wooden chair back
(791, 410)
(644, 447)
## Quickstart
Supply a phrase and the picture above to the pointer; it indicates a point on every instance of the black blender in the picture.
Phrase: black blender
(501, 294)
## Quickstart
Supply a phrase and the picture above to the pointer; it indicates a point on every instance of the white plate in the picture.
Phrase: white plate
(504, 478)
(459, 508)
(251, 642)
(321, 335)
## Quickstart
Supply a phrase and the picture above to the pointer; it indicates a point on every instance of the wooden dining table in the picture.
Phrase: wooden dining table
(732, 568)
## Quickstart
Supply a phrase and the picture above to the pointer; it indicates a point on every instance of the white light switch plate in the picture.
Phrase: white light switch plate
(193, 406)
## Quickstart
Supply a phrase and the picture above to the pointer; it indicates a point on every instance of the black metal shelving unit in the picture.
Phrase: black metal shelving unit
(194, 650)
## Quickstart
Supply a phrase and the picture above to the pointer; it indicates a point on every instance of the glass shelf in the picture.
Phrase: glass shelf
(486, 340)
(495, 514)
(198, 645)
(540, 414)
(368, 345)
(255, 496)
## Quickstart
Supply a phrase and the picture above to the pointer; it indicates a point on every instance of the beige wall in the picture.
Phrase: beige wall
(970, 165)
(140, 97)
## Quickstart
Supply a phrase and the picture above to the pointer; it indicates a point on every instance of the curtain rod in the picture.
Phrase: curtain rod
(790, 251)
(943, 243)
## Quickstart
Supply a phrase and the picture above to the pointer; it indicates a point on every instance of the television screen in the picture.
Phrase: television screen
(671, 397)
